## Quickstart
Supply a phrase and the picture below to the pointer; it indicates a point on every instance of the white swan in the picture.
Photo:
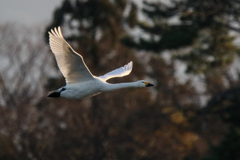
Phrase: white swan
(80, 82)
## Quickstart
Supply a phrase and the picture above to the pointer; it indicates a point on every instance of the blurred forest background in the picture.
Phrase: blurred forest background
(188, 48)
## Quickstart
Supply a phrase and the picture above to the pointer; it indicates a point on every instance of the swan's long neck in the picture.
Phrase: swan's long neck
(110, 87)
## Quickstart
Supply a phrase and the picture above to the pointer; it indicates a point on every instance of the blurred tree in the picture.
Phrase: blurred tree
(99, 23)
(200, 34)
(21, 78)
(165, 122)
(228, 148)
(203, 25)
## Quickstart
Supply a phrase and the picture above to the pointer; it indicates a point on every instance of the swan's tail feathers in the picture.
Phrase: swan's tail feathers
(54, 94)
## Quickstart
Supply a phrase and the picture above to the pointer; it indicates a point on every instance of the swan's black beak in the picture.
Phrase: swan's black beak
(148, 84)
(54, 94)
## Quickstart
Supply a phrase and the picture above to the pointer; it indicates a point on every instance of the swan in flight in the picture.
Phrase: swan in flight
(80, 82)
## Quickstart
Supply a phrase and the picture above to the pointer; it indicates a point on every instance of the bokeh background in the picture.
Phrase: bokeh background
(188, 48)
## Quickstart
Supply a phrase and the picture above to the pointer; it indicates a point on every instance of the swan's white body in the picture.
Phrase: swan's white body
(80, 82)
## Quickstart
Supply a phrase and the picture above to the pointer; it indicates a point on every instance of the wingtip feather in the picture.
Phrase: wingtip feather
(130, 64)
(56, 31)
(60, 32)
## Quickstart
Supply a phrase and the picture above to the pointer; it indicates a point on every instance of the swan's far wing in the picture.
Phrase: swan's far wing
(120, 72)
(70, 63)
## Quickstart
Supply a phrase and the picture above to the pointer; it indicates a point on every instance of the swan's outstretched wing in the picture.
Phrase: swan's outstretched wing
(120, 72)
(70, 63)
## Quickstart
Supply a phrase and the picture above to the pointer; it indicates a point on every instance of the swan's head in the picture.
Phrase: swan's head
(143, 83)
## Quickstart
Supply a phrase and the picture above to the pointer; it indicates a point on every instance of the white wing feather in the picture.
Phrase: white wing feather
(70, 63)
(120, 72)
